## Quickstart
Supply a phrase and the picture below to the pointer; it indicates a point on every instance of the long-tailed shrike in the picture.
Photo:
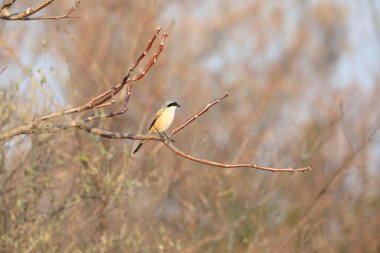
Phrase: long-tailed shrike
(162, 120)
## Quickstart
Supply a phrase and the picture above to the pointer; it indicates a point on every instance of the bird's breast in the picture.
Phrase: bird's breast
(165, 120)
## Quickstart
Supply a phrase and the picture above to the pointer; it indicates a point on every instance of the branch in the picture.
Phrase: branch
(25, 15)
(205, 109)
(38, 127)
(49, 129)
(105, 96)
(100, 100)
(217, 164)
(224, 165)
(118, 135)
(8, 3)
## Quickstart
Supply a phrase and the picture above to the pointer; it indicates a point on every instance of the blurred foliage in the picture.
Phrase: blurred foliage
(290, 105)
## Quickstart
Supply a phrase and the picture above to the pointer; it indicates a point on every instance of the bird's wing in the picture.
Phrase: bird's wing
(158, 114)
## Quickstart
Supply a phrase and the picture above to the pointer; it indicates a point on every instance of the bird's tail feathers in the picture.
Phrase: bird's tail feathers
(138, 147)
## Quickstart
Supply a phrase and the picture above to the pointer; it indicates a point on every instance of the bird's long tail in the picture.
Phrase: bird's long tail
(138, 147)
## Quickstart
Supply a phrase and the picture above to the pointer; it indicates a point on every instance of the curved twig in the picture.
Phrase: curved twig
(225, 165)
(116, 135)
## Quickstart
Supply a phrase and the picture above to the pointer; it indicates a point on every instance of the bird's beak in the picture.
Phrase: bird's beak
(178, 105)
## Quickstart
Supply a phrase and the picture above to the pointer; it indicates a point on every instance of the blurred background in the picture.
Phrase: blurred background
(303, 78)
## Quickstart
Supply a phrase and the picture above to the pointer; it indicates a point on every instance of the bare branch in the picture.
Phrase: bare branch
(117, 135)
(105, 96)
(224, 165)
(153, 60)
(37, 126)
(106, 104)
(197, 115)
(66, 15)
(25, 15)
(29, 11)
(5, 8)
(48, 129)
(100, 100)
(8, 3)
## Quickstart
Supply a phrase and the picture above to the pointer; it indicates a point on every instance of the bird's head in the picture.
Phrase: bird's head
(171, 103)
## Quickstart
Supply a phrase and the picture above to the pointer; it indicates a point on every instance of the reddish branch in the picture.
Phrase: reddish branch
(205, 109)
(102, 100)
(117, 135)
(225, 165)
(217, 164)
(113, 135)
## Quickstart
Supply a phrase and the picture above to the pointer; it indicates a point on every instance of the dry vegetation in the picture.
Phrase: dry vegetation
(74, 191)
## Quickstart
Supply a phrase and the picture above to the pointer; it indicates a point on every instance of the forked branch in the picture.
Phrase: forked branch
(99, 100)
(25, 15)
(39, 126)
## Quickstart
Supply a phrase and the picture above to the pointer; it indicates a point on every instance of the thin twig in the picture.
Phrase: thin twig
(106, 104)
(98, 100)
(225, 165)
(153, 60)
(197, 115)
(25, 15)
(29, 11)
(36, 126)
(48, 129)
(66, 15)
(8, 3)
(117, 135)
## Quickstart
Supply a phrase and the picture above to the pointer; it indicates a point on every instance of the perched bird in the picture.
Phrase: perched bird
(162, 120)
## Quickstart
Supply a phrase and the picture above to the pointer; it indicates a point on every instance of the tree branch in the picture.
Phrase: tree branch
(25, 15)
(197, 115)
(35, 129)
(169, 145)
(224, 165)
(8, 3)
(100, 100)
(37, 126)
(105, 96)
(118, 135)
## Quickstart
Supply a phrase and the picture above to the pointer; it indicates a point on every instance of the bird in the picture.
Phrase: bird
(162, 120)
